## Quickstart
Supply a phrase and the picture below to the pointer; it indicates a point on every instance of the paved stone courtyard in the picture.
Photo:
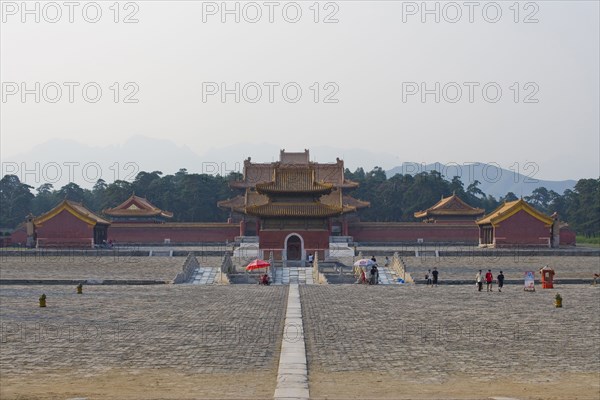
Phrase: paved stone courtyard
(427, 336)
(189, 341)
(209, 330)
(573, 267)
(72, 267)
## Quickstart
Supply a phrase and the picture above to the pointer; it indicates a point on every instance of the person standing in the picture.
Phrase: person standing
(428, 277)
(361, 275)
(500, 280)
(478, 281)
(434, 273)
(489, 278)
(374, 275)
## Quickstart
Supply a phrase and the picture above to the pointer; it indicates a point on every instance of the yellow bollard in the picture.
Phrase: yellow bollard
(79, 289)
(558, 301)
(43, 300)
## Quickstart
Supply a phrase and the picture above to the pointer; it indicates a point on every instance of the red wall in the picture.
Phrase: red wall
(19, 236)
(411, 231)
(177, 232)
(65, 229)
(567, 237)
(522, 229)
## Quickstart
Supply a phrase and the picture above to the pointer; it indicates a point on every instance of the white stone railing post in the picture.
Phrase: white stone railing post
(400, 268)
(315, 268)
(272, 266)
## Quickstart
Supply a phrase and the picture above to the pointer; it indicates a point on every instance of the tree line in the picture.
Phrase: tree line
(194, 197)
(398, 197)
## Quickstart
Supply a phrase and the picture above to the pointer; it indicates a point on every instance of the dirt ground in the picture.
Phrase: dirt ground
(171, 384)
(138, 384)
(371, 385)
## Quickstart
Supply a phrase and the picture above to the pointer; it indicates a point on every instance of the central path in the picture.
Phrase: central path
(292, 377)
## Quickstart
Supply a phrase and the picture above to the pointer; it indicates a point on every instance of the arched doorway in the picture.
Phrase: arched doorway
(293, 246)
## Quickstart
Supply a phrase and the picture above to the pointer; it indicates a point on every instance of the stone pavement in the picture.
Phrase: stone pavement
(513, 267)
(399, 335)
(83, 268)
(425, 334)
(193, 329)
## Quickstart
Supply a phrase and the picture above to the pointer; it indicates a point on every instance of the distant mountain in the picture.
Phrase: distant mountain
(61, 161)
(493, 179)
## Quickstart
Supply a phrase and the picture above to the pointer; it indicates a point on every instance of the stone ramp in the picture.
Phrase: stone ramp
(386, 277)
(207, 272)
(205, 276)
(293, 275)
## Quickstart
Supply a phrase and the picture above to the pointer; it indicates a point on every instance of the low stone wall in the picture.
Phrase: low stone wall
(226, 268)
(189, 266)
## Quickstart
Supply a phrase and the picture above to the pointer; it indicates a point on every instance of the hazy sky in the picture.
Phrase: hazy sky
(361, 78)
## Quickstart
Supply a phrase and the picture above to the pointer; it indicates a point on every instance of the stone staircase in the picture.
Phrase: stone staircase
(293, 275)
(386, 276)
(204, 276)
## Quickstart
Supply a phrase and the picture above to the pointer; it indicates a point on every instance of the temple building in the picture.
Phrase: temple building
(137, 209)
(295, 205)
(516, 224)
(292, 208)
(450, 209)
(70, 224)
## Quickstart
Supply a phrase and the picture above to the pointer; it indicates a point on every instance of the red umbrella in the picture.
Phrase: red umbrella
(257, 264)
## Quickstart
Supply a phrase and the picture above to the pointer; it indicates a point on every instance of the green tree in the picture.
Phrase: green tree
(510, 196)
(116, 193)
(15, 201)
(44, 200)
(540, 198)
(584, 208)
(71, 191)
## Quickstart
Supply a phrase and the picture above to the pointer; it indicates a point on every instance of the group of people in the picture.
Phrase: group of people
(432, 277)
(489, 279)
(373, 278)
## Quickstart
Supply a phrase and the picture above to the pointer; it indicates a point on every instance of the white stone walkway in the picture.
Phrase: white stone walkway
(386, 277)
(293, 275)
(204, 276)
(292, 376)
